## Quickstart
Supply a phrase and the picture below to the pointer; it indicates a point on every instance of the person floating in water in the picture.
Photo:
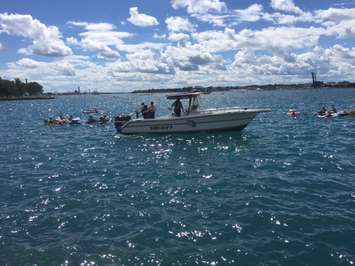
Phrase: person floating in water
(151, 111)
(61, 120)
(322, 111)
(91, 120)
(104, 119)
(293, 113)
(50, 121)
(334, 110)
(177, 107)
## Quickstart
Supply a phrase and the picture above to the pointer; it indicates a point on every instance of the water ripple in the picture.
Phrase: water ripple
(281, 192)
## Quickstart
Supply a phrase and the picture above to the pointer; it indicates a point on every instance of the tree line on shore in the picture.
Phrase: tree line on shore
(17, 88)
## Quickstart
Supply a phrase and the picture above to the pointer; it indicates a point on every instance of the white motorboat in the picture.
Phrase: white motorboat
(193, 119)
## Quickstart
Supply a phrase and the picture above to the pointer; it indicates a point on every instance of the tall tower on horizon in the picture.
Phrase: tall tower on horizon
(314, 79)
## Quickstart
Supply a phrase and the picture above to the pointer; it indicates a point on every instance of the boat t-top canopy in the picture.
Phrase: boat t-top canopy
(193, 98)
(187, 95)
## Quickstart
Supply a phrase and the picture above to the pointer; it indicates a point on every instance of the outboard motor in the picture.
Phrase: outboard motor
(120, 121)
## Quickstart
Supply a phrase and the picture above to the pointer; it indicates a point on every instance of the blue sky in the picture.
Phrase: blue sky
(124, 45)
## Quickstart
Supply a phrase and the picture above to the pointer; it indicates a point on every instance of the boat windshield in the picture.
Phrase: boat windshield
(194, 104)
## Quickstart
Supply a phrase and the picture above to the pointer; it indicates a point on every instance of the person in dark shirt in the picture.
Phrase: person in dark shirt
(334, 110)
(177, 107)
(322, 111)
(91, 120)
(143, 110)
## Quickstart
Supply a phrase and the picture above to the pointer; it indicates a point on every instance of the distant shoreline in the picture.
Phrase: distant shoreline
(27, 98)
(268, 87)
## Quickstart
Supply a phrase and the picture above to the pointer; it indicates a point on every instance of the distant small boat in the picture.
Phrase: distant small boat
(75, 121)
(90, 111)
(335, 114)
(63, 121)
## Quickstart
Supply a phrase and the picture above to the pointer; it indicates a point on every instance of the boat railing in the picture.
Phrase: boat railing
(236, 108)
(223, 109)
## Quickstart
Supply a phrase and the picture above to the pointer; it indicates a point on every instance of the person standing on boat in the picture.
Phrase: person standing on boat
(151, 110)
(177, 105)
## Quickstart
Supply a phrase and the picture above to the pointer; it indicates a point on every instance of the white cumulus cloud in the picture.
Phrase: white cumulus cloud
(178, 24)
(140, 19)
(345, 28)
(100, 38)
(289, 19)
(103, 42)
(72, 41)
(178, 37)
(250, 14)
(271, 38)
(286, 5)
(30, 66)
(331, 63)
(191, 59)
(335, 14)
(233, 17)
(146, 62)
(159, 36)
(199, 6)
(46, 40)
(102, 26)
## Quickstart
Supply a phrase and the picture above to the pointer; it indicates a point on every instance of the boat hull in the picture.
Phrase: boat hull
(207, 121)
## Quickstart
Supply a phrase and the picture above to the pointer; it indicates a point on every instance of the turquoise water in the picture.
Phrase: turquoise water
(280, 192)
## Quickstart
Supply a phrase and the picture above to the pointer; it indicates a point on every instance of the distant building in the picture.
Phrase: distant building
(315, 83)
(77, 91)
(314, 80)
